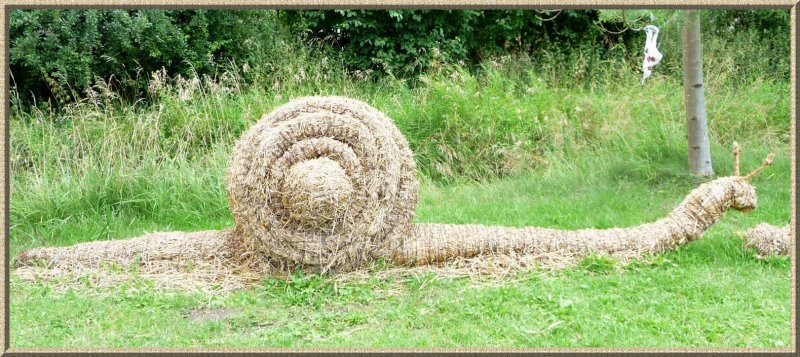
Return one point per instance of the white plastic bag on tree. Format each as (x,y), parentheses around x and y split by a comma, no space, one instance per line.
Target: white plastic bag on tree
(651,54)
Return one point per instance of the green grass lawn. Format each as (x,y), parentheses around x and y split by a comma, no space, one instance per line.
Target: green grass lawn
(707,294)
(502,148)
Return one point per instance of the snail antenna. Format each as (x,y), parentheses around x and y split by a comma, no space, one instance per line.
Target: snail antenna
(767,162)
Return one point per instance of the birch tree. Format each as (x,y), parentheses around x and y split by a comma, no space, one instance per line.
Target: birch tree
(694,97)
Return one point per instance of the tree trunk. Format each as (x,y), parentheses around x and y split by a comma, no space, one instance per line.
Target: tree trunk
(694,98)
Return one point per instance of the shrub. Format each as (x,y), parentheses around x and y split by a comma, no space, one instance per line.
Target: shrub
(60,53)
(403,42)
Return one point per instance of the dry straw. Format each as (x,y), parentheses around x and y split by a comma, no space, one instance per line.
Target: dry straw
(173,260)
(768,240)
(329,184)
(704,206)
(701,208)
(323,183)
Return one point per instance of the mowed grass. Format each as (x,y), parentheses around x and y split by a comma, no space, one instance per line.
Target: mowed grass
(499,148)
(708,293)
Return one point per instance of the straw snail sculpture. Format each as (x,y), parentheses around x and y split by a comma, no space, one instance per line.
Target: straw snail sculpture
(329,184)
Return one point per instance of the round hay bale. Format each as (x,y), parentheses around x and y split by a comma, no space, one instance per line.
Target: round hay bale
(323,183)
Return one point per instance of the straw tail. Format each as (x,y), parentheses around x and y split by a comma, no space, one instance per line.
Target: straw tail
(162,249)
(702,208)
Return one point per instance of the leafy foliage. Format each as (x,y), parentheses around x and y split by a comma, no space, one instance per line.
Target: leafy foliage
(60,53)
(739,46)
(410,41)
(394,40)
(757,42)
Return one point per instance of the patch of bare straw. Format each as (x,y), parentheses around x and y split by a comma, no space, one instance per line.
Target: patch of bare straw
(322,183)
(482,270)
(768,240)
(201,261)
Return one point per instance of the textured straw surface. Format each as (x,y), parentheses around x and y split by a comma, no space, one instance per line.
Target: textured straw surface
(174,260)
(768,240)
(703,207)
(322,183)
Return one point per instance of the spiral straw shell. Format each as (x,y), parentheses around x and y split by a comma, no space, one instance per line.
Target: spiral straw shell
(322,182)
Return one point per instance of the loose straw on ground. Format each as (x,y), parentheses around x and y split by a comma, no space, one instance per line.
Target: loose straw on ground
(768,240)
(328,184)
(173,260)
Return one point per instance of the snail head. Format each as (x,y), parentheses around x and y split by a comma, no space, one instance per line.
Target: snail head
(743,193)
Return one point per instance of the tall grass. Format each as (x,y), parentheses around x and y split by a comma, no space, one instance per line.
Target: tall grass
(162,164)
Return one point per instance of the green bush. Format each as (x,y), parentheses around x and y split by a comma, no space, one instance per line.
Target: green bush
(403,42)
(60,53)
(739,46)
(394,41)
(409,42)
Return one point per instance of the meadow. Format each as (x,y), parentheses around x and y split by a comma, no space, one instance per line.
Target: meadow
(517,143)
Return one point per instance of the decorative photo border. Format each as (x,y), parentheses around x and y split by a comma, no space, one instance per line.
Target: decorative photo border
(8,5)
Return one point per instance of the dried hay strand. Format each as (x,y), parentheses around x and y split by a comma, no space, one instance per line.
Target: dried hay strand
(704,206)
(768,240)
(322,183)
(173,260)
(481,269)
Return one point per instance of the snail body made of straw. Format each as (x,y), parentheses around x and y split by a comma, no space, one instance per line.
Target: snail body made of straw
(702,208)
(329,184)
